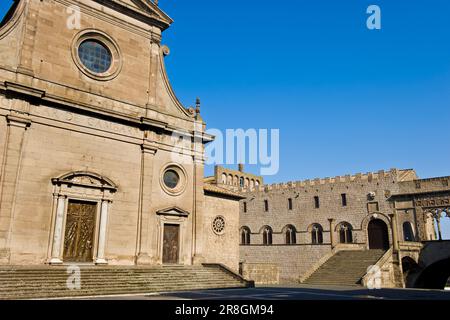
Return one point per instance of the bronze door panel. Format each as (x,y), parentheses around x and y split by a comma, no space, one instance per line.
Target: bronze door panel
(171,244)
(80,231)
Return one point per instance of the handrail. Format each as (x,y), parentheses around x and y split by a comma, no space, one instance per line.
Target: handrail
(383,259)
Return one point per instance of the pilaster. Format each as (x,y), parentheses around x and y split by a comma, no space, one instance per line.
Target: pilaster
(10,172)
(145,254)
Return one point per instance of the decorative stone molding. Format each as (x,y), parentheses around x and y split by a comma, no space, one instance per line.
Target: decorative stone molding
(173,211)
(84,186)
(182,184)
(218,225)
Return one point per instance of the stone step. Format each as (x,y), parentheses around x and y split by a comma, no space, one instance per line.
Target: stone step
(345,268)
(110,276)
(12,286)
(23,283)
(94,292)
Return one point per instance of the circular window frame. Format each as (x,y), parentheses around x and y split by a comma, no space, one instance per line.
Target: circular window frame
(105,40)
(181,187)
(219,233)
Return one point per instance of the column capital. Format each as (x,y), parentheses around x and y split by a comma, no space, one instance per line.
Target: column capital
(59,195)
(331,220)
(17,121)
(149,148)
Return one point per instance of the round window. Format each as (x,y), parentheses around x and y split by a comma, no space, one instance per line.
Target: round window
(171,179)
(95,56)
(218,225)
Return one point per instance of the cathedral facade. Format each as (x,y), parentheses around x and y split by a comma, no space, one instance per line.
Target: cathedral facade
(100,163)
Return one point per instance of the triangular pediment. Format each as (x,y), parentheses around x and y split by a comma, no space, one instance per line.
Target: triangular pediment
(145,10)
(173,211)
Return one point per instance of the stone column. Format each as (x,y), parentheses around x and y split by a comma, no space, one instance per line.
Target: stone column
(58,233)
(332,239)
(393,217)
(102,233)
(145,252)
(438,223)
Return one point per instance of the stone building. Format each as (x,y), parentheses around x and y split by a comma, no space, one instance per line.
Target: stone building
(88,128)
(290,230)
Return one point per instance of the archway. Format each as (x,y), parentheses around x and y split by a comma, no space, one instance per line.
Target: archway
(434,276)
(378,234)
(410,270)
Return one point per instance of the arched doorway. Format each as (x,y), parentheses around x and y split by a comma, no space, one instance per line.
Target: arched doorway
(378,234)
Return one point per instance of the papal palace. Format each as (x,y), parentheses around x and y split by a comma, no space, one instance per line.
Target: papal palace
(101,167)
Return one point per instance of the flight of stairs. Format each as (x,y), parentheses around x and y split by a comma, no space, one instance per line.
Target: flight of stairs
(51,282)
(345,268)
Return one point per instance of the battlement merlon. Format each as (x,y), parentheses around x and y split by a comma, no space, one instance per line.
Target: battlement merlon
(396,175)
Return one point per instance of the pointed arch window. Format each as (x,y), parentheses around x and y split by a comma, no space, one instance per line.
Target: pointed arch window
(316,234)
(345,233)
(291,234)
(245,236)
(267,236)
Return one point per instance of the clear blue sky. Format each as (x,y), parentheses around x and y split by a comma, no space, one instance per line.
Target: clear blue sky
(346,99)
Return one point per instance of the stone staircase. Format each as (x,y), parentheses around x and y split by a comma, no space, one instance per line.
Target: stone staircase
(51,282)
(345,268)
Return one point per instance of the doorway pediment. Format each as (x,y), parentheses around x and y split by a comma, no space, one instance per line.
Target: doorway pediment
(173,211)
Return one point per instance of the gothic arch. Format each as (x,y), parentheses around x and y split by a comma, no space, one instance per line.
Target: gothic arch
(245,234)
(345,232)
(290,234)
(316,232)
(267,233)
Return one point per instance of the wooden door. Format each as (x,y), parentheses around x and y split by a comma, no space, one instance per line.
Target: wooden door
(378,235)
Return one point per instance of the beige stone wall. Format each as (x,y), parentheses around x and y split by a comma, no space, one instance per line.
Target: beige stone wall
(52,58)
(223,248)
(50,152)
(261,273)
(292,261)
(3,133)
(10,36)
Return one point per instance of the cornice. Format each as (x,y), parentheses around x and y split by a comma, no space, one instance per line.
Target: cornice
(143,122)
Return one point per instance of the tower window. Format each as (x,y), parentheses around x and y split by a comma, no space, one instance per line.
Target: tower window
(245,207)
(266,205)
(290,204)
(344,199)
(316,202)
